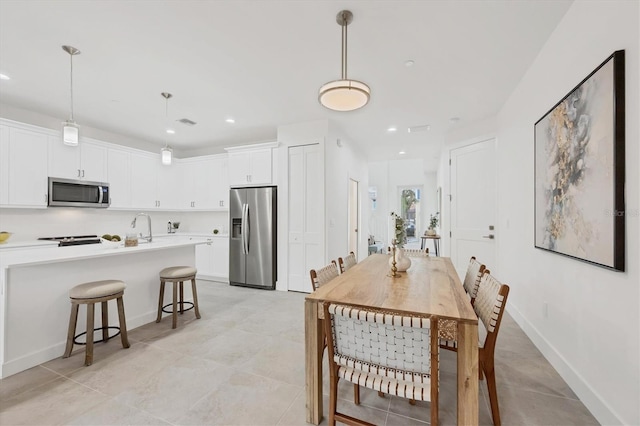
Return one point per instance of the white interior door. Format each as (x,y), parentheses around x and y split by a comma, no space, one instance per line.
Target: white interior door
(473,205)
(306,215)
(354,214)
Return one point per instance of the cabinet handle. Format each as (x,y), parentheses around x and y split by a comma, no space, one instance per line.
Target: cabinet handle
(78,173)
(82,172)
(46,198)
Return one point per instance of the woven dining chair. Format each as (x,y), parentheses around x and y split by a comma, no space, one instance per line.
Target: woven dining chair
(416,252)
(489,305)
(475,270)
(384,351)
(347,263)
(320,277)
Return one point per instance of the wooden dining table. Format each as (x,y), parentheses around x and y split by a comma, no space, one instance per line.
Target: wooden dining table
(430,287)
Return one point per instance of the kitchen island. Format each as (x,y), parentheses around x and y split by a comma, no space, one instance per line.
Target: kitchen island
(35,284)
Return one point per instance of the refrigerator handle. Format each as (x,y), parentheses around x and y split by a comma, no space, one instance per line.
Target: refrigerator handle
(243,230)
(247,228)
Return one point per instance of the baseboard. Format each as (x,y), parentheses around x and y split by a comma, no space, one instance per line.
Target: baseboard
(33,359)
(213,278)
(588,396)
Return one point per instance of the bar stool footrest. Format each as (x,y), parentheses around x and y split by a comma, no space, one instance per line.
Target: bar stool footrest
(75,341)
(171,304)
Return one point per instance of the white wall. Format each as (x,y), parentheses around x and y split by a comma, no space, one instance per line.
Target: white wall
(387,177)
(591,334)
(29,224)
(343,162)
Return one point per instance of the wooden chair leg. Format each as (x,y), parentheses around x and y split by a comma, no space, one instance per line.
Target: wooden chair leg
(493,395)
(175,305)
(105,321)
(356,394)
(333,400)
(412,401)
(381,394)
(181,297)
(88,358)
(195,297)
(124,337)
(73,319)
(160,301)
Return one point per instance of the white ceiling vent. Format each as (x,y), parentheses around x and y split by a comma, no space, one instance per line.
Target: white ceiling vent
(422,128)
(187,122)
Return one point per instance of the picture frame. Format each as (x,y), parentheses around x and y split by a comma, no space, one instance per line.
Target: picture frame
(579,170)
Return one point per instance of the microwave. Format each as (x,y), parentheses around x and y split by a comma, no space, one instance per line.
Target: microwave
(78,193)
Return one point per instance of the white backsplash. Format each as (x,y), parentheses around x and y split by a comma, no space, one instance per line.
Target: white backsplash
(29,224)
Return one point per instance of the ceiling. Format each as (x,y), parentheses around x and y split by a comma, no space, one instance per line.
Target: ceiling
(262,62)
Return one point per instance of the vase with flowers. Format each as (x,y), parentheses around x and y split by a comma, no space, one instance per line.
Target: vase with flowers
(399,240)
(433,223)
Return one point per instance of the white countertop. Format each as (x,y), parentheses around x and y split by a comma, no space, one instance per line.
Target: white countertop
(43,254)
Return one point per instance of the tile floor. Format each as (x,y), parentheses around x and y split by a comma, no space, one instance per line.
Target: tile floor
(243,364)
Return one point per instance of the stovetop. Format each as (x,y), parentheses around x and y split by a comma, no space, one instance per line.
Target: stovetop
(74,240)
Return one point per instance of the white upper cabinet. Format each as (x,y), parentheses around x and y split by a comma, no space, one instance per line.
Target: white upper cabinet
(144,174)
(205,184)
(4,165)
(137,179)
(220,184)
(251,165)
(168,187)
(87,161)
(27,168)
(119,178)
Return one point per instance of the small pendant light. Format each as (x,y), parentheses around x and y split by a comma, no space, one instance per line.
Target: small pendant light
(70,128)
(166,152)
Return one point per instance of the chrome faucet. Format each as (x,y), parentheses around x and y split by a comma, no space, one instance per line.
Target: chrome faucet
(149,237)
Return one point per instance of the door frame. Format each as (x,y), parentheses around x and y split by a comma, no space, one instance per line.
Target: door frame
(350,204)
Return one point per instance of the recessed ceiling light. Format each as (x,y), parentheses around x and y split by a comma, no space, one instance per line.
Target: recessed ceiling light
(392,129)
(4,77)
(409,63)
(402,153)
(230,120)
(171,131)
(454,120)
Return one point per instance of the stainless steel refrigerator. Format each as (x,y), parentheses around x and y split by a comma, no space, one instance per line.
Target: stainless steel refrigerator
(252,243)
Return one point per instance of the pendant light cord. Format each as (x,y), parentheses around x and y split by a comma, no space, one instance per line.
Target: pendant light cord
(166,112)
(71,59)
(344,47)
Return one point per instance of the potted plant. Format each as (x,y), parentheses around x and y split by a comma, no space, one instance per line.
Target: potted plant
(433,223)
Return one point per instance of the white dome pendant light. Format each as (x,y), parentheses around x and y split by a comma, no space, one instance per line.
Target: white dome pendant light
(344,94)
(166,152)
(70,128)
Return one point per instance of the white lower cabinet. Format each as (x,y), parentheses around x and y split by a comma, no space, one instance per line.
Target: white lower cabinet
(212,260)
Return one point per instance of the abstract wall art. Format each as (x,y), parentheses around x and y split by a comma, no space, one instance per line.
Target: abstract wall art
(580,170)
